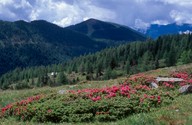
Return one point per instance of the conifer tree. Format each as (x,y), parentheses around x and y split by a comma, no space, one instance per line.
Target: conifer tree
(61,78)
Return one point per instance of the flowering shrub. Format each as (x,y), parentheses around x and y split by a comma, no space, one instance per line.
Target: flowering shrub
(96,104)
(183,75)
(18,108)
(168,85)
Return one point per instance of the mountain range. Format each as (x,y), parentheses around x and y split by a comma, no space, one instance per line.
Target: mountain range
(26,44)
(156,30)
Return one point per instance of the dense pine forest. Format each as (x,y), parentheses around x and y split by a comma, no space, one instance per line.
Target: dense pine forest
(126,59)
(136,57)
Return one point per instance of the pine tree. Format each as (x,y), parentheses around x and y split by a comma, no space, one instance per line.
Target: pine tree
(61,78)
(185,57)
(146,62)
(99,69)
(127,67)
(107,74)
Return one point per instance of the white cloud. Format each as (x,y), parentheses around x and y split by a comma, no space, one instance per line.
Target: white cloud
(140,24)
(4,11)
(22,4)
(64,14)
(177,2)
(14,10)
(160,22)
(181,17)
(139,13)
(5,2)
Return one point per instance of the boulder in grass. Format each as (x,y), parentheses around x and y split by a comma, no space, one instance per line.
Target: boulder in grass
(189,90)
(186,89)
(154,85)
(62,91)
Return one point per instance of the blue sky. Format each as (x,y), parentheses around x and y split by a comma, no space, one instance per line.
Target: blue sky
(134,13)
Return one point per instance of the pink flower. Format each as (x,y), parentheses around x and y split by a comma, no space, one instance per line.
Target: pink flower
(152,97)
(159,99)
(189,81)
(182,84)
(7,107)
(145,96)
(49,111)
(96,98)
(141,100)
(111,95)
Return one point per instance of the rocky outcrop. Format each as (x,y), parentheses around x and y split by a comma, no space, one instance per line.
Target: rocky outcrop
(167,79)
(185,89)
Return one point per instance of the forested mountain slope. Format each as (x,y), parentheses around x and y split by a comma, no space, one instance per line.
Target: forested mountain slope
(126,59)
(26,44)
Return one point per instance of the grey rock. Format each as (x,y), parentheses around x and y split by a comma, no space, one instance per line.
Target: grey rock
(186,89)
(154,85)
(177,110)
(62,91)
(189,90)
(166,79)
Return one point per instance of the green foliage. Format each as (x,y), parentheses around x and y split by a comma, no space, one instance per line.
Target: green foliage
(61,78)
(110,74)
(127,67)
(185,57)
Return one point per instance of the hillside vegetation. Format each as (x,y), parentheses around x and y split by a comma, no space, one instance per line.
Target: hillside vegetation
(107,64)
(170,108)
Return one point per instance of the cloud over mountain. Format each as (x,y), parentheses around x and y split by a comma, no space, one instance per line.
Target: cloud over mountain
(139,13)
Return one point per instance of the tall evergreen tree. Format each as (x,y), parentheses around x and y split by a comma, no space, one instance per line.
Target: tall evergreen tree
(61,78)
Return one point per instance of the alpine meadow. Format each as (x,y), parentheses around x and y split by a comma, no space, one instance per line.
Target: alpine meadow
(95,62)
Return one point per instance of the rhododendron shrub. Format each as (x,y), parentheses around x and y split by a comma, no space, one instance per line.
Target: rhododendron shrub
(183,75)
(140,79)
(19,108)
(97,104)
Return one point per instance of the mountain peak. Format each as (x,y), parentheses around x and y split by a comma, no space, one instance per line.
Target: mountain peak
(91,20)
(101,30)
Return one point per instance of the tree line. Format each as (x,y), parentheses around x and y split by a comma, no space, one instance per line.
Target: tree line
(136,57)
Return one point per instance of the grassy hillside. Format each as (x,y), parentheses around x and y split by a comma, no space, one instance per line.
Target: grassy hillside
(177,112)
